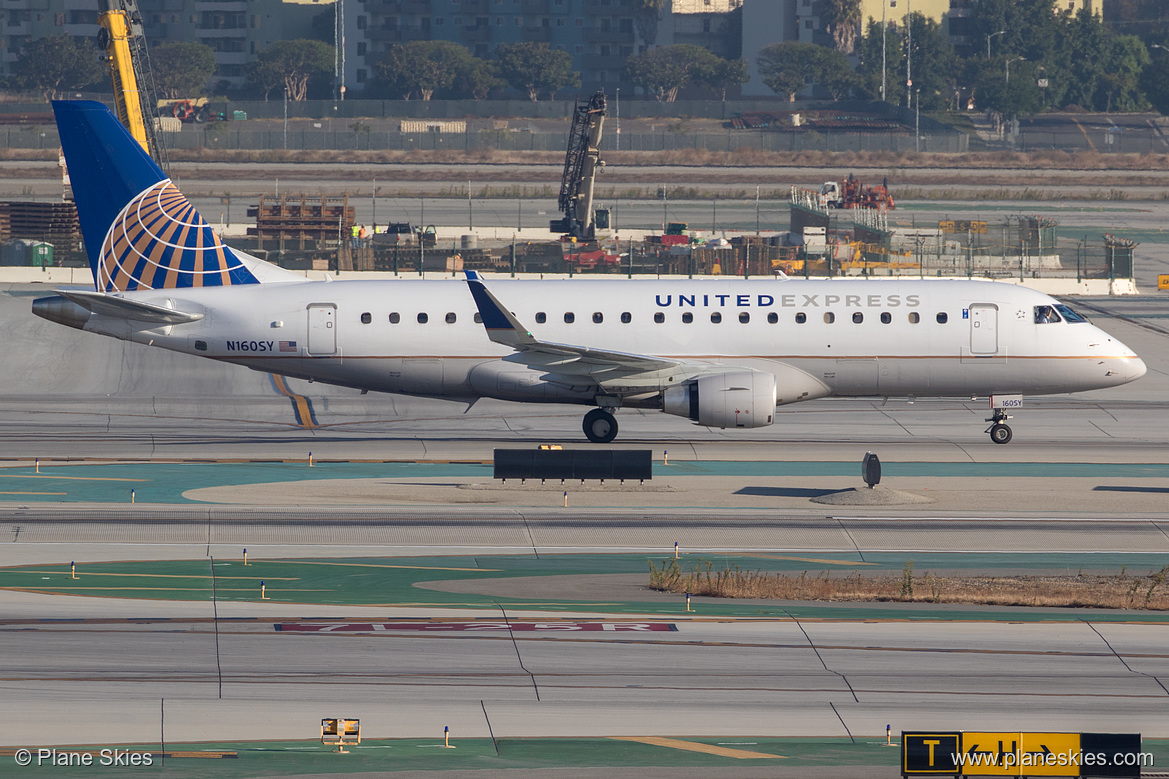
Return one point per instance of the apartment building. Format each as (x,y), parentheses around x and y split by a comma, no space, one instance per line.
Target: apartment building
(235,29)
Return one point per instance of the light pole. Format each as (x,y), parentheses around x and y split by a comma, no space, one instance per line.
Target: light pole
(1008,66)
(988,37)
(884,3)
(756,209)
(917,122)
(909,51)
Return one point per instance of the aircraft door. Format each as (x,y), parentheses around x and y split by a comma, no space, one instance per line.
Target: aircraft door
(984,330)
(322,330)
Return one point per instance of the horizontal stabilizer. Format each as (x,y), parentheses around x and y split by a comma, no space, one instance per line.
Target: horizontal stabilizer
(121,308)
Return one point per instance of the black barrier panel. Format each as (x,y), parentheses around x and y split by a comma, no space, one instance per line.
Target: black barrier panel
(930,753)
(573,464)
(1110,754)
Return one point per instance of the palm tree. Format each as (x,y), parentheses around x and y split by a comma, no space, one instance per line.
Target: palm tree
(842,19)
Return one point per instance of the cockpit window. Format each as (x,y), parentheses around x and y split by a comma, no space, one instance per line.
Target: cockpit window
(1046,315)
(1070,316)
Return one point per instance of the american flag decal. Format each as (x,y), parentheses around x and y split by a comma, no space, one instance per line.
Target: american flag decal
(288,346)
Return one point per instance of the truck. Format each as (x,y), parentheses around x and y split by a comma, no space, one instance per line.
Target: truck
(851,193)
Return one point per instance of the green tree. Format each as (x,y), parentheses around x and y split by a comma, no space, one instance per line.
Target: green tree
(58,64)
(477,78)
(834,74)
(664,70)
(1081,58)
(1020,96)
(421,67)
(935,65)
(536,68)
(788,67)
(842,21)
(723,75)
(292,64)
(1155,77)
(182,69)
(1120,79)
(646,15)
(868,71)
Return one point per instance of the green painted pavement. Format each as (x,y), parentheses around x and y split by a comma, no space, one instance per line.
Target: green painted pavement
(166,482)
(283,758)
(313,758)
(394,582)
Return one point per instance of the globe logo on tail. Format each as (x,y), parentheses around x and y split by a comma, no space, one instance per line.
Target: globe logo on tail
(159,241)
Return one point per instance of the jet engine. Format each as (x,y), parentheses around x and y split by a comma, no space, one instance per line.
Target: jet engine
(732,399)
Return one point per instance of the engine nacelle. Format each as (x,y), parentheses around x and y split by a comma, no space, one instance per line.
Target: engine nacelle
(732,399)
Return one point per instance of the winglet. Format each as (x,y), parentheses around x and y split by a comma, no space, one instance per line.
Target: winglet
(502,327)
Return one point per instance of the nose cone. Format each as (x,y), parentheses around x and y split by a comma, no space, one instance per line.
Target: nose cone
(1135,369)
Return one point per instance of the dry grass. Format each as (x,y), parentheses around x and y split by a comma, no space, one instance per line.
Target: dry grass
(894,161)
(1122,591)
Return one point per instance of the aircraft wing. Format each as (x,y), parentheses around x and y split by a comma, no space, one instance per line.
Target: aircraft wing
(565,359)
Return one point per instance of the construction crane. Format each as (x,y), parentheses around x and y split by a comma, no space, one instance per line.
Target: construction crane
(580,168)
(122,39)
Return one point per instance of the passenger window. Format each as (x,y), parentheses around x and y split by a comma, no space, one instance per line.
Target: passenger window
(541,317)
(478,318)
(598,317)
(1045,315)
(422,319)
(366,318)
(744,317)
(687,318)
(914,317)
(626,317)
(569,317)
(659,318)
(716,317)
(395,318)
(886,317)
(829,318)
(857,318)
(942,317)
(772,318)
(801,318)
(450,318)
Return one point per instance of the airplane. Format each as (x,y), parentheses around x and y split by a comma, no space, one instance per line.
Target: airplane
(723,353)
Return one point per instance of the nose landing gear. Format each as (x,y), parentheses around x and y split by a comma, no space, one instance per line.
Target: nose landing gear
(1000,432)
(600,426)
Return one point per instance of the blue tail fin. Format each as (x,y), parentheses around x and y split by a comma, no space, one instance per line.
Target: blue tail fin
(140,231)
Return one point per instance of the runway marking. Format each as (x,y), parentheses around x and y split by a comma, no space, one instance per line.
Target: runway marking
(375,565)
(150,589)
(161,575)
(34,493)
(692,746)
(806,559)
(1087,138)
(72,478)
(551,625)
(96,753)
(302,407)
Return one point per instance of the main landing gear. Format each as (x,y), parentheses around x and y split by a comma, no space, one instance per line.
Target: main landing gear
(1000,433)
(600,426)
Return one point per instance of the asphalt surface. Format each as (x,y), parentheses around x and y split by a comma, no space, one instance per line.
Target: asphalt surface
(99,677)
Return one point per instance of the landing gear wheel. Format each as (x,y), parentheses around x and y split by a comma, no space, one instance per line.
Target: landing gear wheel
(1000,433)
(600,426)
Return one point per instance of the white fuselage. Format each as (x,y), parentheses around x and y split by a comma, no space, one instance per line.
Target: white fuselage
(846,337)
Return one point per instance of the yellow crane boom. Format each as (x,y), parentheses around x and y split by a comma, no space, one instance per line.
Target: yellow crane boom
(121,38)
